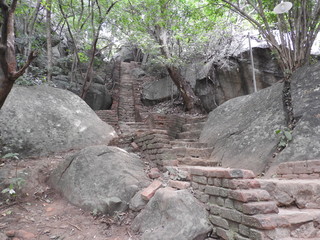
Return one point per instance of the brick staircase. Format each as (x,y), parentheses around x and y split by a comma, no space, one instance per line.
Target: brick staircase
(186,148)
(240,206)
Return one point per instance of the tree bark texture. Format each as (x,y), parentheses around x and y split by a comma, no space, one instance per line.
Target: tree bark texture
(49,42)
(191,101)
(8,63)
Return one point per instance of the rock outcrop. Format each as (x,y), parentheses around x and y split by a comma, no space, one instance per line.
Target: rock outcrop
(305,91)
(242,130)
(41,120)
(172,215)
(100,178)
(215,84)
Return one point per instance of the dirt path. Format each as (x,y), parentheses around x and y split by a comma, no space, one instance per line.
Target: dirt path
(40,213)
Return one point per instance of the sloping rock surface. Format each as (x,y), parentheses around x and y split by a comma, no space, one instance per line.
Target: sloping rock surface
(40,120)
(242,130)
(100,178)
(306,108)
(172,215)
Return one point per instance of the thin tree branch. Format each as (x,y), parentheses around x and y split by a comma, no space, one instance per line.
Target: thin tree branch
(15,75)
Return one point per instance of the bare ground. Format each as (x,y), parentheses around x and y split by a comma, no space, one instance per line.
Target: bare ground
(40,213)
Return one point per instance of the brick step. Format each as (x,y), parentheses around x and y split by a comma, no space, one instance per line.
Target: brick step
(189,135)
(191,161)
(196,119)
(179,143)
(304,193)
(294,223)
(193,126)
(192,152)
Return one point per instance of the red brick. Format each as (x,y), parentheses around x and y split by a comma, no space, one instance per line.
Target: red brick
(285,168)
(253,208)
(230,173)
(134,145)
(213,191)
(179,184)
(309,176)
(170,162)
(315,169)
(218,221)
(200,171)
(265,221)
(257,235)
(231,214)
(225,234)
(314,165)
(250,195)
(290,176)
(298,217)
(241,183)
(199,179)
(301,168)
(218,172)
(148,192)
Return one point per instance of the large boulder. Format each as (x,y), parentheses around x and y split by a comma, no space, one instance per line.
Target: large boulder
(163,89)
(242,130)
(157,91)
(100,178)
(98,97)
(219,83)
(173,215)
(306,108)
(40,120)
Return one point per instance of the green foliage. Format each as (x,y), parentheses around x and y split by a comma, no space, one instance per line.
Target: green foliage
(83,57)
(285,136)
(11,156)
(13,189)
(16,183)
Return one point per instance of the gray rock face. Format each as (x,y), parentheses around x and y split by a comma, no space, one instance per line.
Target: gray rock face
(215,84)
(242,130)
(37,121)
(224,83)
(98,96)
(157,91)
(100,178)
(306,108)
(125,54)
(172,215)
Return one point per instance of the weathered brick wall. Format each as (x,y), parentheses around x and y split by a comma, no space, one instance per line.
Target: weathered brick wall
(171,123)
(308,169)
(239,208)
(154,143)
(108,116)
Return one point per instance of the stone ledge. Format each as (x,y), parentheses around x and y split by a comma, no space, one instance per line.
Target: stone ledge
(218,172)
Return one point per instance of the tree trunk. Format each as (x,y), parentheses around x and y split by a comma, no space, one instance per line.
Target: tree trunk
(30,27)
(191,101)
(89,78)
(49,42)
(8,63)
